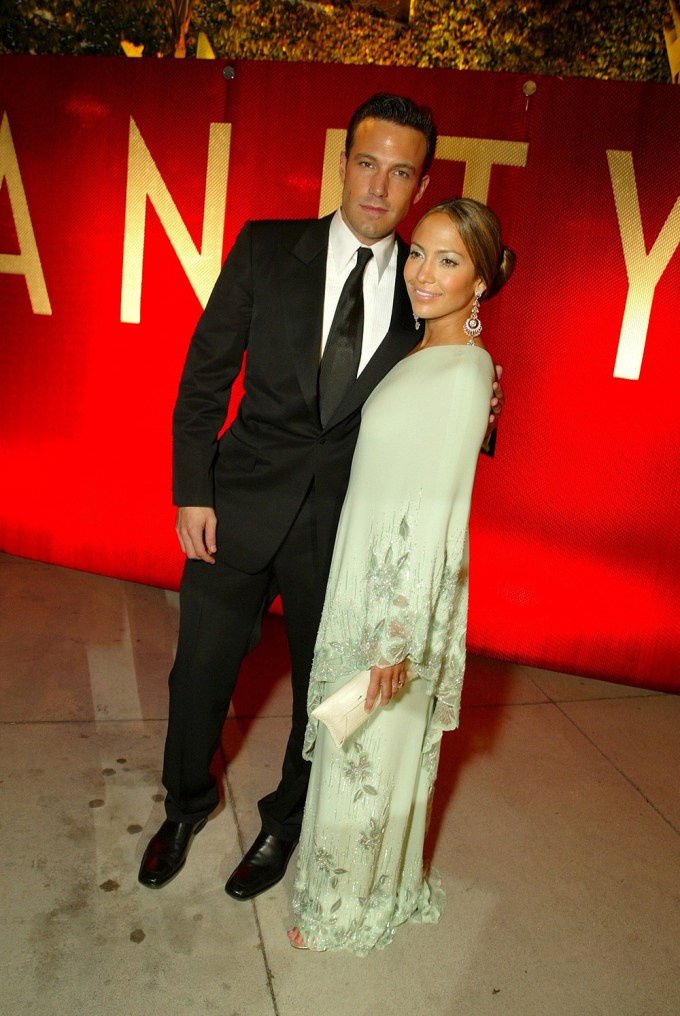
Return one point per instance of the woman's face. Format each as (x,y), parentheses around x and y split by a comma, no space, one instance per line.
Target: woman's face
(439,273)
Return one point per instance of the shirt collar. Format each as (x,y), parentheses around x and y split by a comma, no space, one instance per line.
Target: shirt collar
(343,245)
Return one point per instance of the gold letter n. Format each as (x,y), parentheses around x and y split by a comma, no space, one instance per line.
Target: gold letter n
(144,180)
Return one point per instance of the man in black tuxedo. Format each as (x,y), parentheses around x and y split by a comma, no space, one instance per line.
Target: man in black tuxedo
(269,492)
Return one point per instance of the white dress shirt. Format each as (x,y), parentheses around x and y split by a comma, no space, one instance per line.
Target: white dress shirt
(379,280)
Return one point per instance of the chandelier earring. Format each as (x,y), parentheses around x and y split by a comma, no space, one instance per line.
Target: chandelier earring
(417,320)
(473,326)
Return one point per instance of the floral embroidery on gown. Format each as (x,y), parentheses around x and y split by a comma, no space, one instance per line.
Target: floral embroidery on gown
(397,588)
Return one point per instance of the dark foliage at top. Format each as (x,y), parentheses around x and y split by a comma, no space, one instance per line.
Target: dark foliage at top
(620,39)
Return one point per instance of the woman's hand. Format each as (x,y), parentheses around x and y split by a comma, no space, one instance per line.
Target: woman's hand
(385,681)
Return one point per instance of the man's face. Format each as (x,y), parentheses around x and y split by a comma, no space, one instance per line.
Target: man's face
(381,178)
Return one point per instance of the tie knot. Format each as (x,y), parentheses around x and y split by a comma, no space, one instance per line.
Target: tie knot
(364,255)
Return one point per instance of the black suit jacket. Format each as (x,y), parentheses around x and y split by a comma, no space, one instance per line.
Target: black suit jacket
(268,304)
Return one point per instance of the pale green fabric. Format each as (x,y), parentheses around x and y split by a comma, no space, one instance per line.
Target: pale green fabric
(397,588)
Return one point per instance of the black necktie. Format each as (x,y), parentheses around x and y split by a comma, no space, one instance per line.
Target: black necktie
(341,356)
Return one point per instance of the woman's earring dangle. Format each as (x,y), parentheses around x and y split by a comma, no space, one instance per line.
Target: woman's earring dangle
(417,321)
(473,326)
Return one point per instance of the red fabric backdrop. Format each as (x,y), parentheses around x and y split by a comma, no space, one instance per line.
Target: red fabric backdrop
(575,521)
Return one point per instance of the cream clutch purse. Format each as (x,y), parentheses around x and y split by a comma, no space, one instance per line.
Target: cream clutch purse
(343,712)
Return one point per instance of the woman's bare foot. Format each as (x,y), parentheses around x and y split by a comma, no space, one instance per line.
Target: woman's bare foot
(296,939)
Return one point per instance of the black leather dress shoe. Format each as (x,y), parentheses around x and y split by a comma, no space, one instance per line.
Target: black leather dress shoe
(167,852)
(262,867)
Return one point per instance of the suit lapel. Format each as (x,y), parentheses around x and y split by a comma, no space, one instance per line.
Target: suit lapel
(303,275)
(402,314)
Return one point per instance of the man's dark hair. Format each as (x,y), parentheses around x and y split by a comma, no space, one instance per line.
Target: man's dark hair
(400,110)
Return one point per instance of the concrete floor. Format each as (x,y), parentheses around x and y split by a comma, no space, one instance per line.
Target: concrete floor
(556,827)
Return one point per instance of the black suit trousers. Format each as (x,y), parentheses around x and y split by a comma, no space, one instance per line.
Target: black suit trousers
(219,608)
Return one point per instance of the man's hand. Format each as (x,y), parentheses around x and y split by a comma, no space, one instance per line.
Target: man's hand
(196,530)
(497,400)
(385,681)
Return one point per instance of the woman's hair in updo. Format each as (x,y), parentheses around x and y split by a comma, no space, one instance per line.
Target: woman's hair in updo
(480,231)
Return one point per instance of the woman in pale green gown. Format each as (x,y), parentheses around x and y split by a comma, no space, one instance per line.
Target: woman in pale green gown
(397,592)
